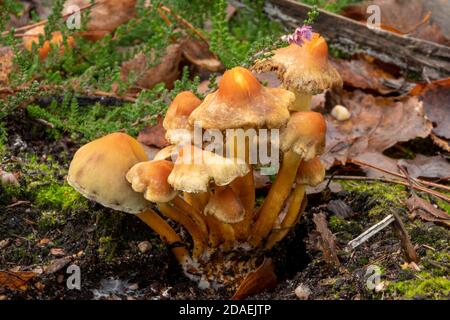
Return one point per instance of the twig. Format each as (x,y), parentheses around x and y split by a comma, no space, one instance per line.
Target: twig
(418,181)
(369,233)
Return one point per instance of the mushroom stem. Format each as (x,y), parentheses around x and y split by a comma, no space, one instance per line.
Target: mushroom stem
(244,188)
(167,234)
(197,236)
(192,212)
(220,233)
(197,200)
(302,101)
(276,197)
(298,200)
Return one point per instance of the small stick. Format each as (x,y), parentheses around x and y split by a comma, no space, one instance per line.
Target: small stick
(402,234)
(369,233)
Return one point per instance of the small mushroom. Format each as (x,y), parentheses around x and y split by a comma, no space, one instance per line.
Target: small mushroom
(98,172)
(301,140)
(176,121)
(31,37)
(304,70)
(150,178)
(311,172)
(225,205)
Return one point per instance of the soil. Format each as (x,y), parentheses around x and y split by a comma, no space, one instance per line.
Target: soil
(104,243)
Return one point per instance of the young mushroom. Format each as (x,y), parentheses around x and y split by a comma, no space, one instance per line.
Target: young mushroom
(176,121)
(241,102)
(98,172)
(150,178)
(301,140)
(304,70)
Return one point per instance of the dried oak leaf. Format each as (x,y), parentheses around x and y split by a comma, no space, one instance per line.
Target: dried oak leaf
(426,211)
(104,16)
(198,53)
(15,280)
(436,102)
(257,281)
(154,136)
(415,18)
(376,124)
(148,74)
(326,240)
(364,74)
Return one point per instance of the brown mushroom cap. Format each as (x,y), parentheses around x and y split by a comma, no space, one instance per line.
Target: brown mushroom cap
(226,206)
(304,134)
(311,172)
(196,168)
(168,153)
(303,68)
(242,102)
(176,121)
(150,178)
(98,172)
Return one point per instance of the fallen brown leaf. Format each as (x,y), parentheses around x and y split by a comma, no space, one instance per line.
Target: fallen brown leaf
(326,240)
(57,265)
(154,136)
(415,18)
(15,280)
(436,102)
(198,53)
(426,211)
(257,281)
(57,252)
(147,74)
(376,124)
(364,74)
(105,16)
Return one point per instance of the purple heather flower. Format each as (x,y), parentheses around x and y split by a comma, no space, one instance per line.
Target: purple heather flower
(300,34)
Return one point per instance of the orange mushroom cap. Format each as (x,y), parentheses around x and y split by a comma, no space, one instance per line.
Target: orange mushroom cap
(311,172)
(98,172)
(242,102)
(226,206)
(303,68)
(150,178)
(304,134)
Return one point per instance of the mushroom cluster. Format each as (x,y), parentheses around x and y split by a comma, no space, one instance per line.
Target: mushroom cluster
(209,188)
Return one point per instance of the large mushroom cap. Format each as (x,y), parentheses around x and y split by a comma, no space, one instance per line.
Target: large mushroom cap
(226,206)
(304,134)
(196,168)
(150,177)
(303,68)
(176,121)
(311,172)
(98,172)
(242,102)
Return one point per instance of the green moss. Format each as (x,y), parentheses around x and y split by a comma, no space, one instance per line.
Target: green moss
(50,219)
(60,197)
(386,195)
(425,286)
(347,229)
(106,247)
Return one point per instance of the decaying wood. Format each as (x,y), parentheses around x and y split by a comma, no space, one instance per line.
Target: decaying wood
(427,58)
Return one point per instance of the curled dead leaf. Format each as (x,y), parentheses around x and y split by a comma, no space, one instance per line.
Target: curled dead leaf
(15,280)
(198,53)
(154,135)
(326,241)
(257,281)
